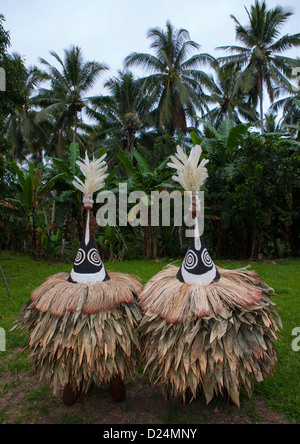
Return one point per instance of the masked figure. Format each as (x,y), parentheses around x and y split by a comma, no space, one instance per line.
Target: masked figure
(205,328)
(82,325)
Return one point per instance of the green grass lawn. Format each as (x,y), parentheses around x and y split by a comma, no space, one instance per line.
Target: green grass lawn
(281,392)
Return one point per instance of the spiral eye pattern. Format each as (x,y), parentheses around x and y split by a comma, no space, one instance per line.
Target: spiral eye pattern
(79,257)
(93,257)
(191,260)
(206,259)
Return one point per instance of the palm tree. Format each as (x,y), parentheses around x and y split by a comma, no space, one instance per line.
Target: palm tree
(288,103)
(124,112)
(31,190)
(16,96)
(144,178)
(274,126)
(24,134)
(175,83)
(229,103)
(4,36)
(66,97)
(260,56)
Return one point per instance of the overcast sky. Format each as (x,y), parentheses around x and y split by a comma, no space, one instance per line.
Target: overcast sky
(108,30)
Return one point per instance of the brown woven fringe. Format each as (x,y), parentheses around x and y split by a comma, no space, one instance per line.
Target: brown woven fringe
(57,295)
(211,339)
(176,301)
(83,334)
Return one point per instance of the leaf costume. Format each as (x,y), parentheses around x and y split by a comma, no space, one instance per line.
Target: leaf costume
(83,325)
(206,328)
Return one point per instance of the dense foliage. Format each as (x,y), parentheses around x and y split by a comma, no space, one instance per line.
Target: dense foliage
(252,194)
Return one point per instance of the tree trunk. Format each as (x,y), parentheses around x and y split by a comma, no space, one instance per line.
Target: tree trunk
(45,217)
(154,249)
(59,145)
(260,254)
(253,245)
(180,239)
(59,148)
(130,145)
(35,244)
(276,248)
(75,128)
(53,210)
(130,140)
(5,283)
(180,120)
(261,100)
(147,242)
(63,244)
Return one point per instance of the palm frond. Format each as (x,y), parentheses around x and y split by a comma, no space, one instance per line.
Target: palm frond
(146,61)
(285,42)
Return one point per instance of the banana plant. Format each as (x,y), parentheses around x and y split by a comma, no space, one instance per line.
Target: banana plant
(143,178)
(113,240)
(222,144)
(30,192)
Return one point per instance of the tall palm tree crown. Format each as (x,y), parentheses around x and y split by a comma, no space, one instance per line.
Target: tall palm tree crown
(175,83)
(228,102)
(68,86)
(125,111)
(260,56)
(25,135)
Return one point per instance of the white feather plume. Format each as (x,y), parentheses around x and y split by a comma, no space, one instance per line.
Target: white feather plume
(95,174)
(190,175)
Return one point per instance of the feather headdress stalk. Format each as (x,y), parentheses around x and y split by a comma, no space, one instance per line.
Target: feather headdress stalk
(190,175)
(95,174)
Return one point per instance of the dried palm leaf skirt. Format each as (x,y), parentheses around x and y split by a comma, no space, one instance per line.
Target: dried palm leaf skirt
(83,334)
(213,339)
